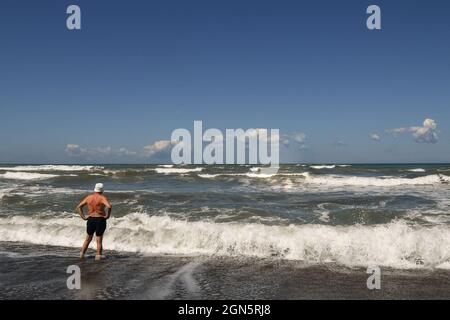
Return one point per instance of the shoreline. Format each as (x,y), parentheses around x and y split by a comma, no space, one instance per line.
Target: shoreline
(29,271)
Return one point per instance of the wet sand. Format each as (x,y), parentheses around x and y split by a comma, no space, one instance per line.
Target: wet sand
(39,272)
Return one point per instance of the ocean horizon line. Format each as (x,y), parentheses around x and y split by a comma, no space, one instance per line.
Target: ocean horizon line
(211,165)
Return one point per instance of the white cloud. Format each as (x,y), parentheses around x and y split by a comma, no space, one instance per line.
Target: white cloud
(160,150)
(74,150)
(375,136)
(425,134)
(95,153)
(158,147)
(339,143)
(297,137)
(303,147)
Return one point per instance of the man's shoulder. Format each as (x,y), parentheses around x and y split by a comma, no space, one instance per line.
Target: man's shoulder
(105,201)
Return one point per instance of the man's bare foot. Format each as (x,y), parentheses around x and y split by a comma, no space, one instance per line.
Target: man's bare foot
(99,257)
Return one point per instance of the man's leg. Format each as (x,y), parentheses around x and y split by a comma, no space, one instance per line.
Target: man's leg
(86,243)
(99,247)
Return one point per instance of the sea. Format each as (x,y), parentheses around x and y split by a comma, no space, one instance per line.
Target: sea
(186,220)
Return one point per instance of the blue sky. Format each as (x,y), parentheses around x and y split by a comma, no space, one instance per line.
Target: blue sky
(139,69)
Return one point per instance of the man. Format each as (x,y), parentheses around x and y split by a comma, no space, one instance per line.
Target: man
(96,220)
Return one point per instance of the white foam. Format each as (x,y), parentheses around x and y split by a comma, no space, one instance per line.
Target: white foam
(26,176)
(177,170)
(284,185)
(165,165)
(324,214)
(340,180)
(395,244)
(36,191)
(248,174)
(260,175)
(323,167)
(51,168)
(416,170)
(209,176)
(444,265)
(4,192)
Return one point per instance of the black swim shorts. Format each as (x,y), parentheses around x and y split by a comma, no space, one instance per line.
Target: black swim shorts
(97,225)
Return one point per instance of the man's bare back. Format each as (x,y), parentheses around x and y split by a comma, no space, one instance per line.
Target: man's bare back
(99,210)
(96,204)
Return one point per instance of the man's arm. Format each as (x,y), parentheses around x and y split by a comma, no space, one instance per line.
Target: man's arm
(80,208)
(108,206)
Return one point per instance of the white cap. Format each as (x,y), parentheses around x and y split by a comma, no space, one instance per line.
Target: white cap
(98,187)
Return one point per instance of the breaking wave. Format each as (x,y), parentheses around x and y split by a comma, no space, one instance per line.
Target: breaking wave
(338,180)
(323,167)
(177,170)
(26,176)
(52,168)
(416,170)
(396,244)
(248,174)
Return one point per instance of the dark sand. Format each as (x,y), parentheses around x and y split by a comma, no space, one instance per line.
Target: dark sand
(39,272)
